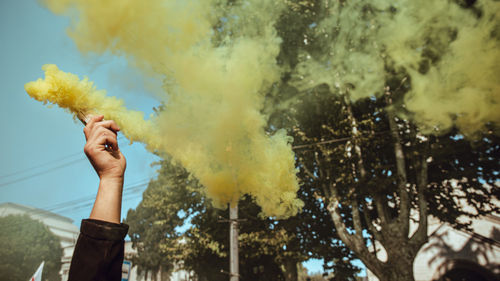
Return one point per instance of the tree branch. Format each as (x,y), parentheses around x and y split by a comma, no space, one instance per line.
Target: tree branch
(356,220)
(354,242)
(334,210)
(420,236)
(308,172)
(403,218)
(316,158)
(380,205)
(355,132)
(371,227)
(359,169)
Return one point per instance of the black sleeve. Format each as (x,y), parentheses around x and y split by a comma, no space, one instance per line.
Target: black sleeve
(98,252)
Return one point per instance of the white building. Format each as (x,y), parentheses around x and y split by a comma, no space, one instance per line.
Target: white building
(457,254)
(64,228)
(177,275)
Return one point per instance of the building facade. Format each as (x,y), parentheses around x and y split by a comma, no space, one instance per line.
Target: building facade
(67,232)
(452,254)
(62,227)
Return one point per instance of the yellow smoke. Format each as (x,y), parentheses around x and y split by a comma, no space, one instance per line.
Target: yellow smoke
(463,87)
(450,53)
(212,123)
(75,95)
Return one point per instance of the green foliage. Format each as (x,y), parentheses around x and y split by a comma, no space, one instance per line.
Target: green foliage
(24,244)
(175,199)
(266,245)
(153,223)
(348,152)
(353,160)
(458,168)
(365,160)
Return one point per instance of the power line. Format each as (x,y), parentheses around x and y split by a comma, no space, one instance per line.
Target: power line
(332,141)
(86,204)
(121,137)
(87,201)
(42,172)
(92,197)
(65,164)
(41,165)
(321,142)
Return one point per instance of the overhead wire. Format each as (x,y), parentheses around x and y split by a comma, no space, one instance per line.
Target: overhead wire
(44,171)
(40,165)
(66,164)
(91,198)
(80,203)
(87,201)
(121,137)
(300,146)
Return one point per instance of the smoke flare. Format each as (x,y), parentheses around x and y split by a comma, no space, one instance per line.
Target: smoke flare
(69,92)
(217,59)
(214,90)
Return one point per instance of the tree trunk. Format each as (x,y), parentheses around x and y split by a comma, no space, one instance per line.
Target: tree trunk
(290,270)
(399,264)
(400,271)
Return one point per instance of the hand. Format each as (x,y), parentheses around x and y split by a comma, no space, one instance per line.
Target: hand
(102,148)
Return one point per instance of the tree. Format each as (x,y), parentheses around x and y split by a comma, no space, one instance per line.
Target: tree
(154,221)
(269,249)
(368,164)
(176,199)
(376,174)
(372,163)
(24,244)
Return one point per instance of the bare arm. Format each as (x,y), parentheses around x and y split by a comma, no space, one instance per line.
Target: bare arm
(105,156)
(99,250)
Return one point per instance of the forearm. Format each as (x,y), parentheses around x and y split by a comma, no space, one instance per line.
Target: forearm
(108,203)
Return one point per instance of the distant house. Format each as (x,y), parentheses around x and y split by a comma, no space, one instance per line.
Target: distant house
(64,228)
(177,275)
(452,254)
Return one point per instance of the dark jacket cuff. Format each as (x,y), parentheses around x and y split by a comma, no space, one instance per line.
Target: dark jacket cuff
(103,230)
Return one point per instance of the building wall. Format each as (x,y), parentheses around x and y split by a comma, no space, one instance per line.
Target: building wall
(448,248)
(62,227)
(177,275)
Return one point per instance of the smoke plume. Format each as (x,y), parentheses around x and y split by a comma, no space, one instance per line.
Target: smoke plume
(449,49)
(212,122)
(217,58)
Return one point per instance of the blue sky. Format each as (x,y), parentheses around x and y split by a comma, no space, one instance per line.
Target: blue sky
(42,161)
(48,139)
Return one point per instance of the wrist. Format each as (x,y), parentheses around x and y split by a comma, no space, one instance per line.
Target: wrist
(111,181)
(107,206)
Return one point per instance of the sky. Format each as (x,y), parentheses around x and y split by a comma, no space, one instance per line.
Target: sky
(41,149)
(42,161)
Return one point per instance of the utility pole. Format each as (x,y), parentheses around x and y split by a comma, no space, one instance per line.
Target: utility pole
(234,271)
(234,274)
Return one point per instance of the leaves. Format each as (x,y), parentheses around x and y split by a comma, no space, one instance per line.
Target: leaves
(24,244)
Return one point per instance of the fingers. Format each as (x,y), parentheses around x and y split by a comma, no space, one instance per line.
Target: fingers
(103,136)
(90,125)
(102,140)
(97,122)
(108,124)
(108,140)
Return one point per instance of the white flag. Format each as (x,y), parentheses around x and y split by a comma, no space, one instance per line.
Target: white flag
(38,273)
